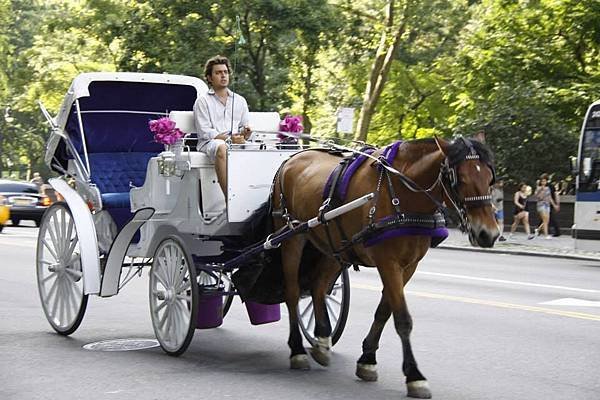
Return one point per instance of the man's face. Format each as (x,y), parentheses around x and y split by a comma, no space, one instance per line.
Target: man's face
(219,78)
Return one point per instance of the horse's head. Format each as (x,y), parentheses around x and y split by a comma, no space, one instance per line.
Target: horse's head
(467,175)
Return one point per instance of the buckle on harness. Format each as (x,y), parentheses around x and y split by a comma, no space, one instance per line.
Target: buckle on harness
(269,244)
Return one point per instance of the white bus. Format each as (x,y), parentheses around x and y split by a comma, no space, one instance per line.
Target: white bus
(586,229)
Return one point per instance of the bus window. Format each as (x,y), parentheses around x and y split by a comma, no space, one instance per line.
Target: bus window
(589,178)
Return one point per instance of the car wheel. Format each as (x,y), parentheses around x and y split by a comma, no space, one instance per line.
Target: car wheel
(15,221)
(1,227)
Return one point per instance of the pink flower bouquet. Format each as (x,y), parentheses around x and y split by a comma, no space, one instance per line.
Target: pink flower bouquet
(165,131)
(291,125)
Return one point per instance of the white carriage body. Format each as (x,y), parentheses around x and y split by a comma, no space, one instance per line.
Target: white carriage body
(86,144)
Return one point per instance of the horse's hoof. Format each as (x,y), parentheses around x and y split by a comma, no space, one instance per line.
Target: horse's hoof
(299,361)
(321,352)
(366,372)
(418,390)
(323,357)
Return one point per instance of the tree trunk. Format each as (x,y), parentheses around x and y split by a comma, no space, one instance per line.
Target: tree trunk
(388,46)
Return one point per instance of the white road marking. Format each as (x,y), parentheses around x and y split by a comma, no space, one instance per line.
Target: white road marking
(518,283)
(569,301)
(491,303)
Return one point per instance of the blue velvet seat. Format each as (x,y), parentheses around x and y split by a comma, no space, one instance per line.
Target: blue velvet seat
(114,174)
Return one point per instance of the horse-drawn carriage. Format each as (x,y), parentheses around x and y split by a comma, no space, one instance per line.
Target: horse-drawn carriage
(129,204)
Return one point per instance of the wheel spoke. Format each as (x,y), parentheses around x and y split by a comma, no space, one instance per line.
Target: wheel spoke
(162,262)
(71,249)
(51,250)
(333,315)
(308,308)
(73,273)
(47,278)
(53,238)
(163,319)
(63,227)
(333,300)
(160,306)
(157,273)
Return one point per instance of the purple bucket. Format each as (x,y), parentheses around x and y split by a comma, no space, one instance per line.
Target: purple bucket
(210,311)
(263,313)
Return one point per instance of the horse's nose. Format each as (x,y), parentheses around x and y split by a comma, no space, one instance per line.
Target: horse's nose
(486,239)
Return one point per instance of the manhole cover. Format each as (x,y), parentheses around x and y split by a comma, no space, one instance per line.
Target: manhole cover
(122,345)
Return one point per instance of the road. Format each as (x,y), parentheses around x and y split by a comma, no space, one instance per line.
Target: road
(485,327)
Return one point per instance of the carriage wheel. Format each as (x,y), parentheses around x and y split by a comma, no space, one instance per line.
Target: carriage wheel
(173,296)
(58,267)
(210,280)
(337,302)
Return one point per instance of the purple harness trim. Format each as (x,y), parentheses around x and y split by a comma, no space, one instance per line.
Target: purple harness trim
(344,181)
(389,153)
(437,235)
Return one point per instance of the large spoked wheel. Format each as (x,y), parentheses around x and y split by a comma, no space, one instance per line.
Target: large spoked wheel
(58,267)
(212,280)
(173,296)
(337,302)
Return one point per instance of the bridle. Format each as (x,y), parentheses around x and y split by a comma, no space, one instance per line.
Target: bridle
(450,184)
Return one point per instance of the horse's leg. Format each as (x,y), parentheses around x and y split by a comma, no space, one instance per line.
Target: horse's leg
(291,251)
(366,366)
(327,269)
(393,283)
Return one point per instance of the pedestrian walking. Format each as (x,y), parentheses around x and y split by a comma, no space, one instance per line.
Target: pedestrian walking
(498,205)
(544,204)
(521,215)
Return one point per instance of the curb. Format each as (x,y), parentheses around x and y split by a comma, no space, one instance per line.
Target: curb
(520,252)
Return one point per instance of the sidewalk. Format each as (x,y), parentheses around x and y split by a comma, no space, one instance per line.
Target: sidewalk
(562,246)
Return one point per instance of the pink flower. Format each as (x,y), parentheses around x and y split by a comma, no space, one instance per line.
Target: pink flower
(165,131)
(291,124)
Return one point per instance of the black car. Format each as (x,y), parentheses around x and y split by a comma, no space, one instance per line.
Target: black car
(24,200)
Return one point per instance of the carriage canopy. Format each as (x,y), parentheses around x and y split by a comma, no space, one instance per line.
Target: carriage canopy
(114,108)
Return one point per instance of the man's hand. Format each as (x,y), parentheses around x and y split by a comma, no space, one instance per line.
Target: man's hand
(238,139)
(246,132)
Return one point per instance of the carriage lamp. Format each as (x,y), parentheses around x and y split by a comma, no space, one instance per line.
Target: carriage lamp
(166,163)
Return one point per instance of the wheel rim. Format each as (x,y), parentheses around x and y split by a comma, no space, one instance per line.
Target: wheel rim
(59,270)
(172,296)
(336,302)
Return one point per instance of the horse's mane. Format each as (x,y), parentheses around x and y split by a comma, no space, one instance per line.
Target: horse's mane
(458,150)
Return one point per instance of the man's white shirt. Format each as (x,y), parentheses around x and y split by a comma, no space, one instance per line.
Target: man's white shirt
(212,117)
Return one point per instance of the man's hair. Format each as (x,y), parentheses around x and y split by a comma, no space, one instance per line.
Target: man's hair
(215,61)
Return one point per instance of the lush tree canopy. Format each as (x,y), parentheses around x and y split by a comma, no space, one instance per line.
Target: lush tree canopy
(523,71)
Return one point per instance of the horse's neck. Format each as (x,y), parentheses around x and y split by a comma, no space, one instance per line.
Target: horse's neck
(425,169)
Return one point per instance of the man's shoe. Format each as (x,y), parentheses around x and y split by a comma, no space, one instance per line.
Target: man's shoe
(530,237)
(536,232)
(502,239)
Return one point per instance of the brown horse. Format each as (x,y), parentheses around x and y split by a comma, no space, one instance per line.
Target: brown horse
(458,173)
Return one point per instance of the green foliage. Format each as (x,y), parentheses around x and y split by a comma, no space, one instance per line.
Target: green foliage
(523,70)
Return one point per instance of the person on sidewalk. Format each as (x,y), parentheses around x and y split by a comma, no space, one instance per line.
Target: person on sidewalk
(498,206)
(544,203)
(521,214)
(555,209)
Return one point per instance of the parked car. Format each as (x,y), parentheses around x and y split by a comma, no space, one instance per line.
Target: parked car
(25,201)
(4,212)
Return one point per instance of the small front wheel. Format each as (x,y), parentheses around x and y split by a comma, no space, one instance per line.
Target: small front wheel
(173,296)
(59,273)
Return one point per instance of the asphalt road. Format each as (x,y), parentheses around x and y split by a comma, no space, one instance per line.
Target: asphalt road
(486,327)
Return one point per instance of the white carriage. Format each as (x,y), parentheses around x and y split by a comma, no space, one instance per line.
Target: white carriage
(128,205)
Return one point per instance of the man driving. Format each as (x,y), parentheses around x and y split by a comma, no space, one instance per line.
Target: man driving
(220,116)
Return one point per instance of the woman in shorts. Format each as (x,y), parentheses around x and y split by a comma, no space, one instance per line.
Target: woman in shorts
(544,202)
(521,214)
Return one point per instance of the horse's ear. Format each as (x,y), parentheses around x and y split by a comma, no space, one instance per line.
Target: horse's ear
(479,136)
(441,144)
